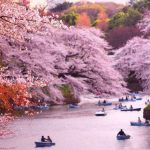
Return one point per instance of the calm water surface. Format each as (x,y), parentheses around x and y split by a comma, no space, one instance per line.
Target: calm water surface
(79,130)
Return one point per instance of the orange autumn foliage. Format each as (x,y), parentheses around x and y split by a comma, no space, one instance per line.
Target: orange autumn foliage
(83,20)
(102,15)
(13,93)
(102,21)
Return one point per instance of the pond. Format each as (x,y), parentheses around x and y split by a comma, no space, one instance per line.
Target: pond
(79,129)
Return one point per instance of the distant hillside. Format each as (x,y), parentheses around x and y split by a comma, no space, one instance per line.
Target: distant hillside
(87,14)
(109,7)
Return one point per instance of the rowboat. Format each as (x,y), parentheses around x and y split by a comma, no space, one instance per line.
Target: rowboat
(97,97)
(127,100)
(131,109)
(20,108)
(104,104)
(44,144)
(138,98)
(73,106)
(119,108)
(100,113)
(139,124)
(123,137)
(40,107)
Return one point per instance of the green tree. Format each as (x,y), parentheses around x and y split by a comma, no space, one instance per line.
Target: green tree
(141,5)
(128,18)
(132,17)
(70,18)
(117,20)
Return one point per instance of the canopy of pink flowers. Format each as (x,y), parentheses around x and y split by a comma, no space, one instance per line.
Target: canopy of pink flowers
(56,55)
(135,55)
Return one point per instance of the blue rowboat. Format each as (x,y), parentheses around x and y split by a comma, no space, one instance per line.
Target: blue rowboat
(73,106)
(123,137)
(119,108)
(133,109)
(44,144)
(104,104)
(40,107)
(139,124)
(127,100)
(20,108)
(138,98)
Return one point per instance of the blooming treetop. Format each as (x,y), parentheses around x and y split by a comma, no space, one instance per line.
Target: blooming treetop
(39,4)
(144,25)
(135,56)
(16,21)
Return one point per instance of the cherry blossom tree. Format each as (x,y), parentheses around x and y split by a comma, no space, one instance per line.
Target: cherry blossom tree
(75,56)
(16,21)
(135,55)
(33,49)
(144,25)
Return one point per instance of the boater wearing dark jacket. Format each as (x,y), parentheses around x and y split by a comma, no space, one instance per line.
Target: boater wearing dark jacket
(49,139)
(43,139)
(121,132)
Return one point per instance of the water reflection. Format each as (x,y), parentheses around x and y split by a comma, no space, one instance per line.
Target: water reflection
(79,130)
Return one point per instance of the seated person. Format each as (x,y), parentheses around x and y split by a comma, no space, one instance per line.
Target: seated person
(116,106)
(139,120)
(104,101)
(49,139)
(131,107)
(99,102)
(125,107)
(134,97)
(43,139)
(120,105)
(103,110)
(121,132)
(146,121)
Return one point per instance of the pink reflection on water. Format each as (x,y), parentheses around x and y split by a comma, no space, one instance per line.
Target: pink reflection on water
(4,131)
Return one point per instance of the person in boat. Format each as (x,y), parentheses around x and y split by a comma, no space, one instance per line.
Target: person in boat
(131,107)
(99,102)
(127,98)
(125,107)
(120,105)
(49,139)
(104,101)
(139,120)
(134,97)
(116,106)
(121,99)
(103,110)
(43,139)
(146,122)
(121,132)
